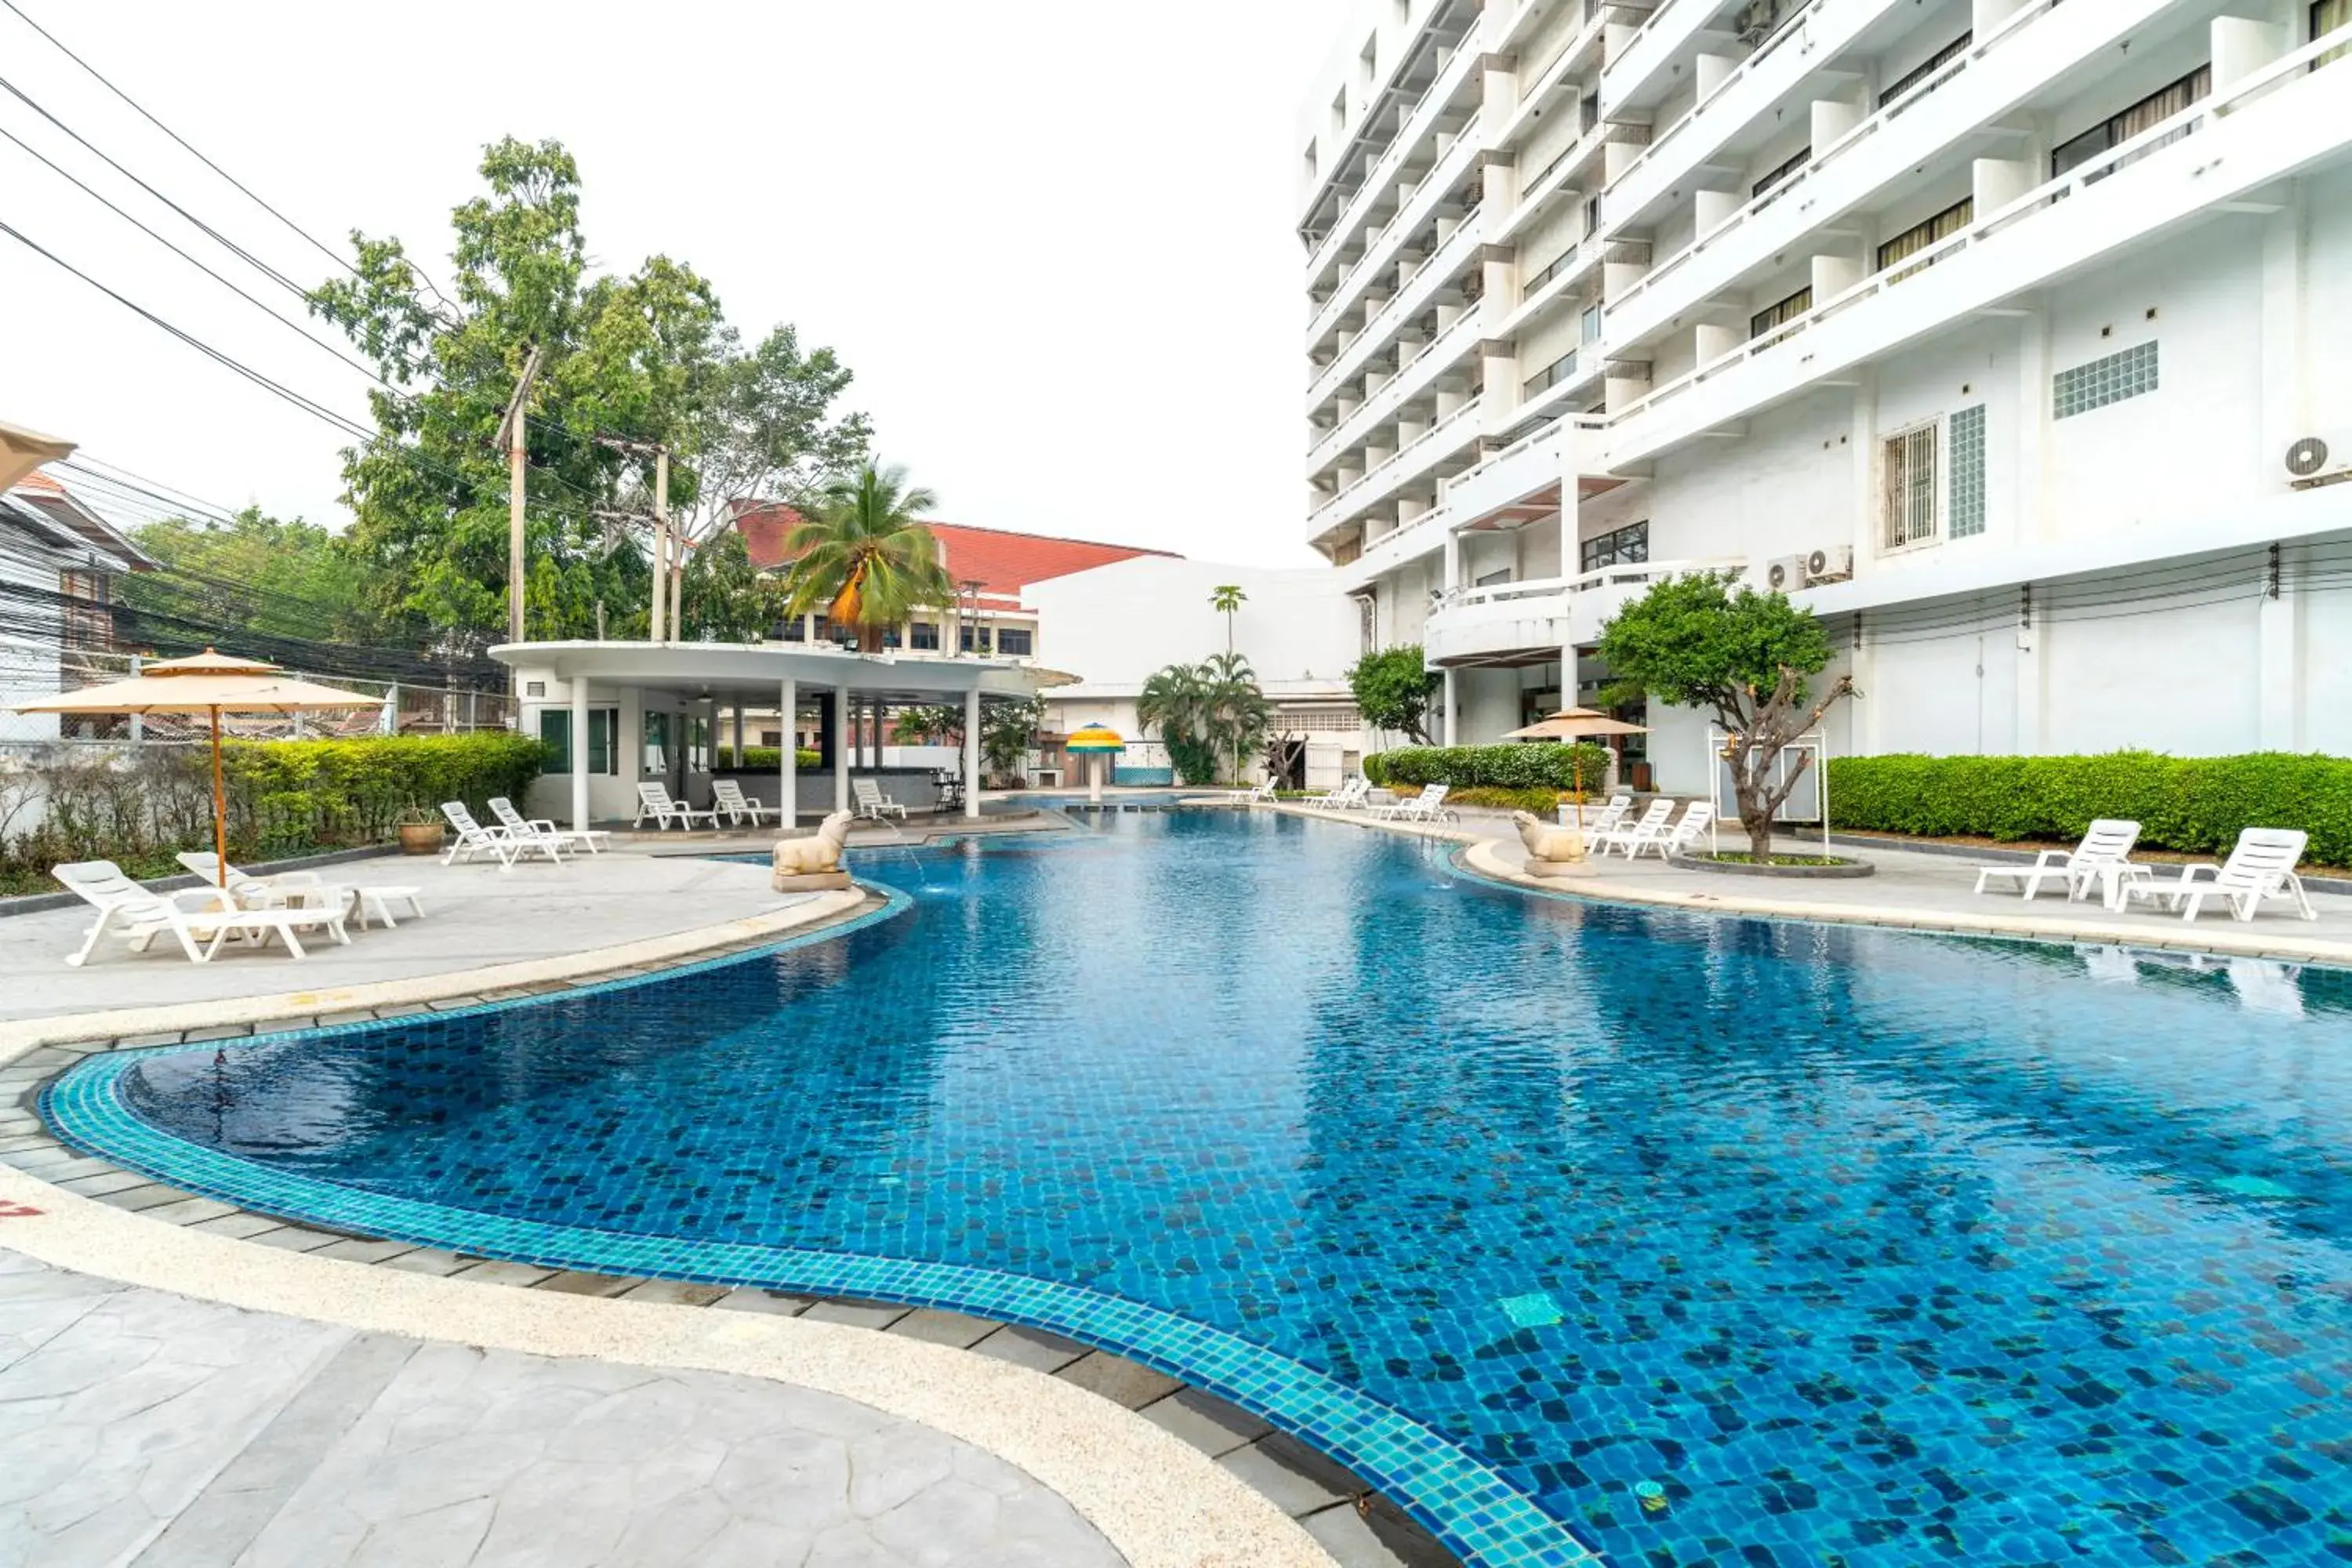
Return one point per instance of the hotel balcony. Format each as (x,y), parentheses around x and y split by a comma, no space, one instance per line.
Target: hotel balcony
(1455,175)
(1531,622)
(1417,377)
(1431,78)
(1445,447)
(1416,293)
(2220,156)
(1948,113)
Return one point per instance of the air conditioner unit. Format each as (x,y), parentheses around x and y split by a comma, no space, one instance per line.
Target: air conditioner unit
(1786,574)
(1755,21)
(1833,564)
(2306,466)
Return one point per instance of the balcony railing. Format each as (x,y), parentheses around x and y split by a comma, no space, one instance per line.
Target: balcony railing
(1383,405)
(1787,31)
(1349,360)
(1409,136)
(2198,116)
(1859,136)
(1452,425)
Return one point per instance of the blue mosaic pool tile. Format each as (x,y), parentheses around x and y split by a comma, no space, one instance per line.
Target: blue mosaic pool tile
(1864,1247)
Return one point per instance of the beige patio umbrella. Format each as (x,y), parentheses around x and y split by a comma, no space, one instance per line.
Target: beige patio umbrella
(1572,724)
(210,683)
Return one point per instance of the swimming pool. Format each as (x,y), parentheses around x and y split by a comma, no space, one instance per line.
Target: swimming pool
(1861,1246)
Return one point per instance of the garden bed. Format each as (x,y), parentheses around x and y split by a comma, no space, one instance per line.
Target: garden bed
(1740,863)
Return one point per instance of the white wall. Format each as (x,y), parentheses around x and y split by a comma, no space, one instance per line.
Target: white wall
(1114,626)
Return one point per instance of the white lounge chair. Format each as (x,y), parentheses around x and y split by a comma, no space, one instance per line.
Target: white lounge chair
(593,840)
(1625,835)
(728,799)
(1347,797)
(209,916)
(871,802)
(305,890)
(1696,818)
(473,839)
(1606,819)
(1428,806)
(654,800)
(2104,856)
(2261,867)
(1263,793)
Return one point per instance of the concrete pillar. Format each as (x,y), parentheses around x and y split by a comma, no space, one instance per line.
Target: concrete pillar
(579,753)
(1832,118)
(841,743)
(1713,209)
(1995,182)
(1448,725)
(972,755)
(739,732)
(1709,71)
(1833,274)
(788,774)
(1716,338)
(2242,48)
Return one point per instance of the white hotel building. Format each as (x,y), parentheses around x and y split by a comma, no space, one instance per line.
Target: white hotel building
(2006,335)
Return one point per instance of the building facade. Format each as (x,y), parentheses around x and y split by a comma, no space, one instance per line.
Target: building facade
(2014,337)
(61,564)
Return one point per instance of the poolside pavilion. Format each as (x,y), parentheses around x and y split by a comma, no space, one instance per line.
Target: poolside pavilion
(618,714)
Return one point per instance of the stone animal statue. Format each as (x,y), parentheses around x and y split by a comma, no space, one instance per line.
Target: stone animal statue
(816,854)
(1548,845)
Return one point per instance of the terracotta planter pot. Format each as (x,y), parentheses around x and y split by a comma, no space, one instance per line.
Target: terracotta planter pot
(420,839)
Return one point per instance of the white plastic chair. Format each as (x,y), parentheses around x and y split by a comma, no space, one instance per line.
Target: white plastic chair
(305,890)
(872,803)
(728,799)
(653,800)
(522,826)
(1264,791)
(1627,835)
(1606,819)
(2261,866)
(2101,856)
(1428,806)
(1347,797)
(473,839)
(192,915)
(1696,818)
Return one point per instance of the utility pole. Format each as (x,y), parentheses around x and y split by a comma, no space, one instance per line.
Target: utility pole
(665,591)
(511,432)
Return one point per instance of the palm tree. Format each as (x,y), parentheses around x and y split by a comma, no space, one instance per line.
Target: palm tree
(866,557)
(1174,701)
(1236,712)
(1227,599)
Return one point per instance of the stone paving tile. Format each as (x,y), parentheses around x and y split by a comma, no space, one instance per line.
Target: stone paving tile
(857,1314)
(943,1328)
(296,1238)
(189,1210)
(572,1282)
(1120,1380)
(516,1275)
(674,1293)
(776,1303)
(1032,1348)
(355,1250)
(238,1225)
(1298,1480)
(1206,1422)
(146,1195)
(426,1260)
(1376,1536)
(97,1186)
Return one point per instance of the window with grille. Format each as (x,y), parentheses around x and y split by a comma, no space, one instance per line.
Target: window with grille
(1965,438)
(1773,317)
(1626,546)
(1925,68)
(1920,236)
(1788,167)
(1909,459)
(2153,110)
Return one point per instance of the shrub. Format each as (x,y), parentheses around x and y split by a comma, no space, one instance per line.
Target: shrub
(1521,767)
(138,807)
(2193,805)
(1542,802)
(764,760)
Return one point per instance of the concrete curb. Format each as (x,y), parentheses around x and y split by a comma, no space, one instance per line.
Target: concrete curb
(23,1035)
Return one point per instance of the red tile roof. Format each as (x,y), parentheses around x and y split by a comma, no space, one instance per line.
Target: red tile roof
(1001,562)
(37,480)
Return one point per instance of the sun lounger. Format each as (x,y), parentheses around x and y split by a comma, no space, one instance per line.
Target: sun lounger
(1697,819)
(654,800)
(199,919)
(1625,835)
(1428,806)
(305,890)
(1347,797)
(1262,794)
(2261,867)
(2104,856)
(872,804)
(473,839)
(728,799)
(591,840)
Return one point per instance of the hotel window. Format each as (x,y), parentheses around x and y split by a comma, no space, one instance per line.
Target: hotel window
(1774,317)
(1015,642)
(2327,15)
(793,630)
(1627,546)
(975,638)
(923,637)
(657,742)
(1789,166)
(555,734)
(2153,110)
(1925,68)
(1907,464)
(1920,236)
(555,731)
(1965,439)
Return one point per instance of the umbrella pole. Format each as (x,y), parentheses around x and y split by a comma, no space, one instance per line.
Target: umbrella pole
(220,810)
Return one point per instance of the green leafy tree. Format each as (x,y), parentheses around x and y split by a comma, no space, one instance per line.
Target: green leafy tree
(254,575)
(1694,642)
(1393,689)
(725,598)
(1175,702)
(1238,714)
(1008,729)
(648,355)
(866,558)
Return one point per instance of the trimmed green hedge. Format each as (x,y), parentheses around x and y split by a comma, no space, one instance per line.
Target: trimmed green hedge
(1544,765)
(137,807)
(2194,805)
(764,760)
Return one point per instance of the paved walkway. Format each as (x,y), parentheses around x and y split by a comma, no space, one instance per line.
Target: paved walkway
(138,1426)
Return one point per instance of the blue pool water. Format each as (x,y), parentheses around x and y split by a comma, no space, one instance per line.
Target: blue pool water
(1865,1249)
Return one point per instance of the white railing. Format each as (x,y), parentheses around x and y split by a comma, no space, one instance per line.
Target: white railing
(1381,249)
(1635,573)
(1787,30)
(1394,395)
(1354,212)
(1350,359)
(1392,467)
(1865,132)
(2195,117)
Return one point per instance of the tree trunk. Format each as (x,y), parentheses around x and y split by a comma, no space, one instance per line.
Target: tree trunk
(1750,767)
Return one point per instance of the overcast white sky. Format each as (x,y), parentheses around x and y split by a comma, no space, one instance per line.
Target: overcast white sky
(1053,237)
